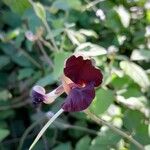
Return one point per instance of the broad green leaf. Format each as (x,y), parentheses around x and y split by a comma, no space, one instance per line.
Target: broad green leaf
(4,60)
(136,73)
(25,73)
(66,4)
(40,11)
(18,6)
(83,143)
(134,122)
(105,141)
(140,54)
(34,22)
(115,23)
(59,61)
(16,56)
(15,20)
(3,134)
(104,98)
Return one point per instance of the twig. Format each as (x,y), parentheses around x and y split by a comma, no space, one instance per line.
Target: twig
(28,130)
(47,44)
(50,34)
(48,29)
(115,129)
(69,126)
(45,54)
(45,118)
(16,105)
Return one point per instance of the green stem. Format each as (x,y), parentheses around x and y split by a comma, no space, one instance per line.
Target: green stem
(113,128)
(28,130)
(45,54)
(45,128)
(51,35)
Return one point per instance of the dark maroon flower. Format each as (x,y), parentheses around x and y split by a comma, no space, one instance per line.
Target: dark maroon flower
(79,81)
(82,77)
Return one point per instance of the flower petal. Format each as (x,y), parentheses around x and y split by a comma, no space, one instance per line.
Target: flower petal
(82,71)
(79,98)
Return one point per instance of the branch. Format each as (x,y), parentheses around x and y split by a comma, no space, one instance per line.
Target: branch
(99,121)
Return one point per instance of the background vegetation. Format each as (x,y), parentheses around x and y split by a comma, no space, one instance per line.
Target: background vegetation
(36,38)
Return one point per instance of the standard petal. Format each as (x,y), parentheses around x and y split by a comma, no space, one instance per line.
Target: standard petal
(79,98)
(82,71)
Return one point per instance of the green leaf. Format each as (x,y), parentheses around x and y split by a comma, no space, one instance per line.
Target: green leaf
(46,80)
(40,11)
(89,49)
(66,4)
(115,23)
(18,6)
(3,134)
(124,16)
(83,143)
(136,73)
(59,61)
(134,121)
(4,60)
(25,73)
(16,56)
(105,141)
(140,54)
(65,146)
(5,95)
(104,98)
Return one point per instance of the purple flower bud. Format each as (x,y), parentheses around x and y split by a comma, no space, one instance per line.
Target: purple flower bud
(38,95)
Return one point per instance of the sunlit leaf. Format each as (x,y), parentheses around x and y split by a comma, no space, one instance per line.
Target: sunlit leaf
(89,49)
(124,16)
(137,73)
(40,11)
(18,6)
(140,54)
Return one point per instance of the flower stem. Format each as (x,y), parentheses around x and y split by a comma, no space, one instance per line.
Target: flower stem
(45,127)
(115,129)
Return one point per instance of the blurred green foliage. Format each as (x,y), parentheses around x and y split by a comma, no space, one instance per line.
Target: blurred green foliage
(37,37)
